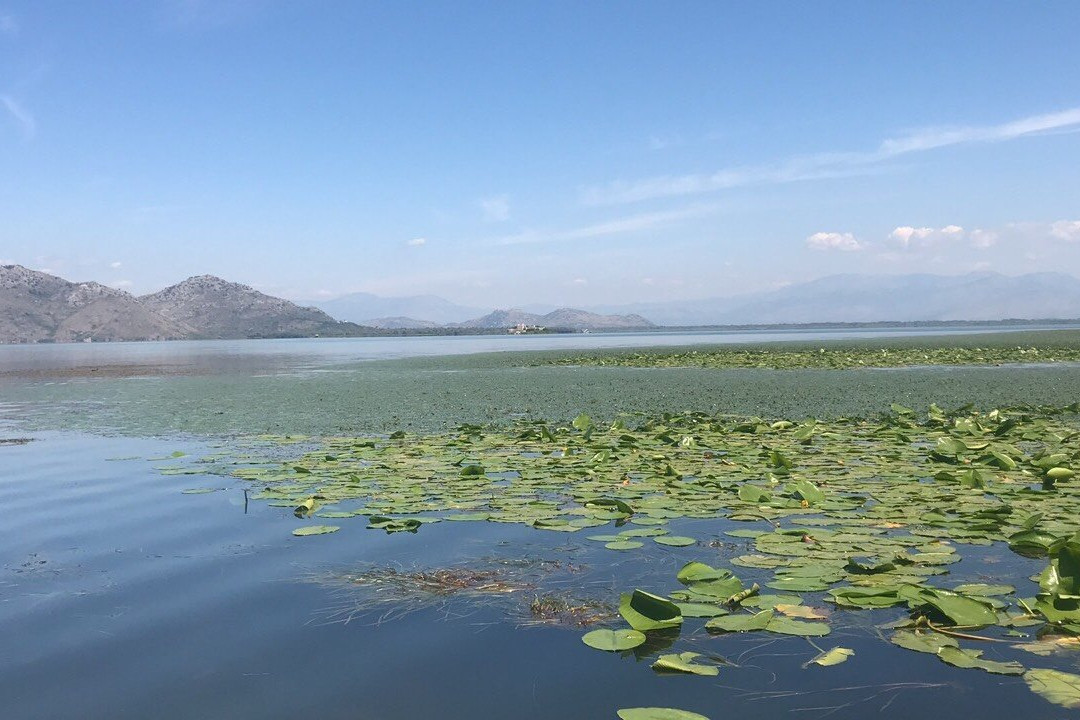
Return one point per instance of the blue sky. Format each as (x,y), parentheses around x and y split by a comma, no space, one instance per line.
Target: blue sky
(505,153)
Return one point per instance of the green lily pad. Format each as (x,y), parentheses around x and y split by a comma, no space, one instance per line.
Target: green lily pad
(684,663)
(613,640)
(1060,688)
(657,713)
(315,530)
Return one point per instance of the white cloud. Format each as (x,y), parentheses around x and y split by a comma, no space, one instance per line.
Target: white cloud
(22,117)
(833,241)
(1067,230)
(121,284)
(825,165)
(9,26)
(618,226)
(417,242)
(911,238)
(983,239)
(905,234)
(496,208)
(580,281)
(116,265)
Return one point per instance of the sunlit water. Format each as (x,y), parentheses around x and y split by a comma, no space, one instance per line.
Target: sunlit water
(122,597)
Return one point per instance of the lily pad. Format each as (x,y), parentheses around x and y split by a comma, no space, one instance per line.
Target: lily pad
(613,640)
(657,713)
(315,530)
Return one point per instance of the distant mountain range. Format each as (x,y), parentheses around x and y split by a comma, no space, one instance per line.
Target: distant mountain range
(38,307)
(566,318)
(876,298)
(424,310)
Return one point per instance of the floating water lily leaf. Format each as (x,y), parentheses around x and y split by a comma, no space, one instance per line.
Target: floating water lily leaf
(657,713)
(701,610)
(684,663)
(1060,688)
(960,610)
(924,642)
(624,545)
(315,530)
(832,657)
(808,492)
(613,640)
(801,611)
(754,494)
(645,611)
(798,584)
(964,658)
(741,623)
(984,590)
(675,540)
(693,572)
(788,626)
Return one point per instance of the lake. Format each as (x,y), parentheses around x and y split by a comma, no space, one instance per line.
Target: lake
(123,597)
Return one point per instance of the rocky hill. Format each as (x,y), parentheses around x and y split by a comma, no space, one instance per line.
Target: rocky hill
(38,307)
(216,308)
(568,318)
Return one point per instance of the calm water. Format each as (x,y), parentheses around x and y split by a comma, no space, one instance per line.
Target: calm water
(306,354)
(122,597)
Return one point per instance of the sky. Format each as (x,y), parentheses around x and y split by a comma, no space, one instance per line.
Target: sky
(513,153)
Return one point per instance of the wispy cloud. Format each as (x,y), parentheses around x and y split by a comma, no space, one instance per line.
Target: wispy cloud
(416,242)
(496,208)
(9,26)
(617,226)
(22,117)
(845,242)
(1067,230)
(907,236)
(915,240)
(826,165)
(116,265)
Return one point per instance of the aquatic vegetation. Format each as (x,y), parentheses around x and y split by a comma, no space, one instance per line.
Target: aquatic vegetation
(863,515)
(831,358)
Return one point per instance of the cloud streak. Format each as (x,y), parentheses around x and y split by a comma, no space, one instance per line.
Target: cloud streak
(617,226)
(9,26)
(826,165)
(22,117)
(845,242)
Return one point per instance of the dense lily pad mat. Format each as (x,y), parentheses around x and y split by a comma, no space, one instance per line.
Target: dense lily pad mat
(827,358)
(862,515)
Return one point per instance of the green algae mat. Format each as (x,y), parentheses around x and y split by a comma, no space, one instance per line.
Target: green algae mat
(840,517)
(827,358)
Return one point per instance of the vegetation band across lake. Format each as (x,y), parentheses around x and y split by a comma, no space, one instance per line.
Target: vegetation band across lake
(873,514)
(828,358)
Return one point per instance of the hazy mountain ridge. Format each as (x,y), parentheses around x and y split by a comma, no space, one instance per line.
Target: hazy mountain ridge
(369,309)
(38,307)
(876,298)
(570,318)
